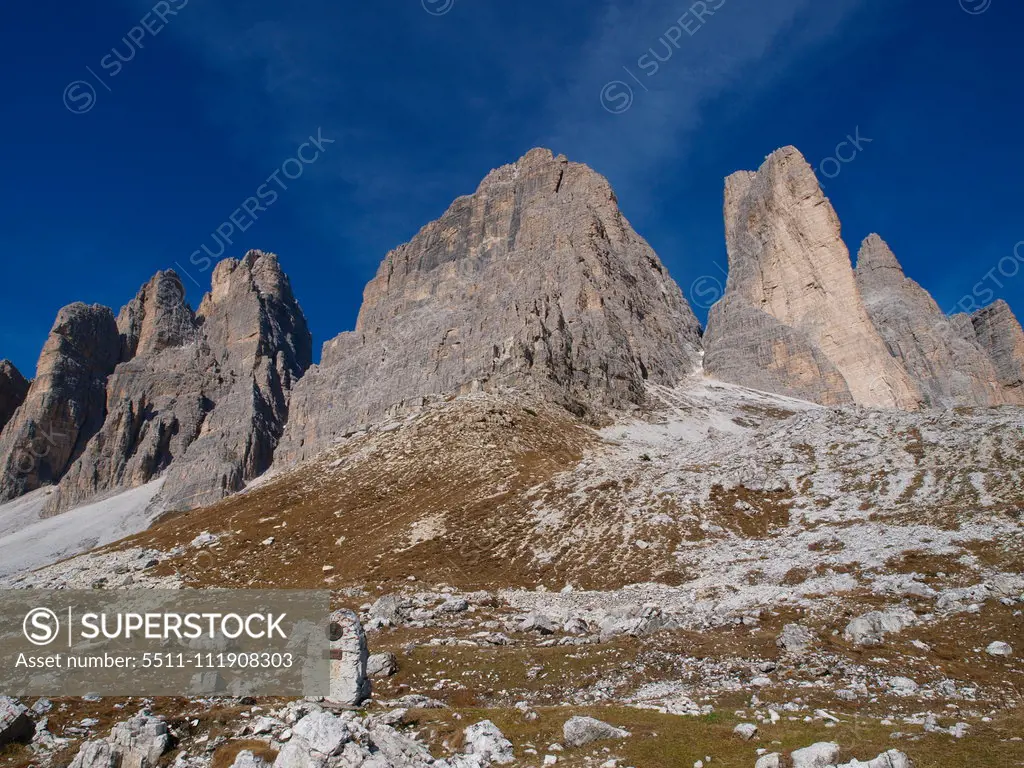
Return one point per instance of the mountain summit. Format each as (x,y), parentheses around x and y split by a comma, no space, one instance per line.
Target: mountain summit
(536,280)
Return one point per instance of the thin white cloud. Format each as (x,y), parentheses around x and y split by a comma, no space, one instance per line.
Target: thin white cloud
(675,57)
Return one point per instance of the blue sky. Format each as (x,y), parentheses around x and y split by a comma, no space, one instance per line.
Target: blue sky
(422,97)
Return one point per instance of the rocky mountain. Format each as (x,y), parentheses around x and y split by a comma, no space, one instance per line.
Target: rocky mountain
(65,405)
(555,539)
(199,396)
(949,369)
(535,281)
(731,574)
(792,320)
(999,333)
(796,319)
(13,388)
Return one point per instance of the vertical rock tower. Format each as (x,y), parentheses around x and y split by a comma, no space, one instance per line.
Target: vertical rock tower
(792,320)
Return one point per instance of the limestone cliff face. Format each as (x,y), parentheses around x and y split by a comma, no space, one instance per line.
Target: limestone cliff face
(13,389)
(64,406)
(260,345)
(792,320)
(535,280)
(201,397)
(999,333)
(949,368)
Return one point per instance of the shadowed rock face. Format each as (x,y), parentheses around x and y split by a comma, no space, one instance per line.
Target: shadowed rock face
(205,396)
(259,345)
(792,320)
(536,280)
(201,396)
(950,368)
(64,406)
(999,333)
(13,388)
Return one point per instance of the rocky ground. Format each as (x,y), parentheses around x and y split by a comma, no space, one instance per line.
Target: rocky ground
(731,561)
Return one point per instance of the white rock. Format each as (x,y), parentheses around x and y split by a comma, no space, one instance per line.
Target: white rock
(903,685)
(795,639)
(771,760)
(486,741)
(891,759)
(745,731)
(819,755)
(999,648)
(246,759)
(204,539)
(870,628)
(381,665)
(142,740)
(578,731)
(319,732)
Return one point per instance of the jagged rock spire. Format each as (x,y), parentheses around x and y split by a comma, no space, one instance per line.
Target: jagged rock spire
(202,397)
(999,333)
(792,320)
(948,368)
(64,406)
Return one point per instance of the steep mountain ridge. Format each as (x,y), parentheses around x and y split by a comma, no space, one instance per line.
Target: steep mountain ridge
(949,369)
(201,396)
(797,319)
(536,280)
(999,332)
(64,406)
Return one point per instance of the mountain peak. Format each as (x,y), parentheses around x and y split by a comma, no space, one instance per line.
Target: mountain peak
(536,280)
(875,256)
(792,320)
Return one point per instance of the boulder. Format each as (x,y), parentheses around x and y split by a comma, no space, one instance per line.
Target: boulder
(745,731)
(398,749)
(795,639)
(999,648)
(536,622)
(872,627)
(97,754)
(578,731)
(820,755)
(316,739)
(140,741)
(891,759)
(903,686)
(484,740)
(246,759)
(390,608)
(15,723)
(381,665)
